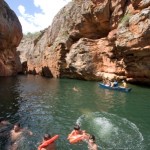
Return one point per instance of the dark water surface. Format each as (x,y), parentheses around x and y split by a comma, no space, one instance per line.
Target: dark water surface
(118,120)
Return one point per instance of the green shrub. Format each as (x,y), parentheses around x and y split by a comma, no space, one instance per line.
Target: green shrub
(29,34)
(125,19)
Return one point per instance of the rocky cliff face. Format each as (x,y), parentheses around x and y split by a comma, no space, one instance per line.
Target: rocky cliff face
(95,39)
(10,37)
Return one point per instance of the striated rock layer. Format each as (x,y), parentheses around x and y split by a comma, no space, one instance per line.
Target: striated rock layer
(10,37)
(92,40)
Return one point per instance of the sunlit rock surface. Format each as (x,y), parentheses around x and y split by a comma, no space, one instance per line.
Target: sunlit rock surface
(94,39)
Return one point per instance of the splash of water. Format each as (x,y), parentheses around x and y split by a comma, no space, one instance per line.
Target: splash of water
(112,131)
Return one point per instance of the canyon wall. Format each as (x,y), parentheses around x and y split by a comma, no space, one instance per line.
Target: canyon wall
(92,40)
(10,37)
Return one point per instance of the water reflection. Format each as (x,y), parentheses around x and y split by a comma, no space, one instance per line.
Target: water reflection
(9,97)
(109,99)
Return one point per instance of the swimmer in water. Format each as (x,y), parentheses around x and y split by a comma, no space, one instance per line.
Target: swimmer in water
(77,131)
(91,143)
(16,134)
(75,89)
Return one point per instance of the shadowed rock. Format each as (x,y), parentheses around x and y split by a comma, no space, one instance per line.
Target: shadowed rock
(10,37)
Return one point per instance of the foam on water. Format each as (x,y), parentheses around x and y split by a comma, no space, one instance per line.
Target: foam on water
(112,131)
(104,126)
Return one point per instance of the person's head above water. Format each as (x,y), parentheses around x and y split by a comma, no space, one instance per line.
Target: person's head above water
(47,136)
(92,137)
(76,127)
(17,126)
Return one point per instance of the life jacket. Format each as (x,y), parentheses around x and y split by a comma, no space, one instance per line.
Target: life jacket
(75,137)
(46,143)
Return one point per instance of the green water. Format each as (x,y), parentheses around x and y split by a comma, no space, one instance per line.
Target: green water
(118,120)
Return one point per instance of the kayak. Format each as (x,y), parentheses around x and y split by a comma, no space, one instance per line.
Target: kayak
(117,88)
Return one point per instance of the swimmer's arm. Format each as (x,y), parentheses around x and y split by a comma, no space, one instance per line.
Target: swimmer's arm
(70,134)
(30,133)
(86,136)
(27,131)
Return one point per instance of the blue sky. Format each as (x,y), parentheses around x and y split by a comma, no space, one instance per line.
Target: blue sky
(36,15)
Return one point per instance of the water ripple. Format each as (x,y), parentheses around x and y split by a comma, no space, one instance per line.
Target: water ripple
(112,131)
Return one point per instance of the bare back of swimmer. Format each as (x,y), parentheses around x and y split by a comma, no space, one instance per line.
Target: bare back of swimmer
(15,135)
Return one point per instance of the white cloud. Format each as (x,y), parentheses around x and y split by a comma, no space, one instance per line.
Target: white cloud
(21,9)
(38,21)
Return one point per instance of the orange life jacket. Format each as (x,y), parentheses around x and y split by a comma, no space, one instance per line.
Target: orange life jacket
(46,143)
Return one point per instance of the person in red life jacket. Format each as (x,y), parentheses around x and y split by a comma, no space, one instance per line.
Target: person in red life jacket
(77,135)
(48,142)
(76,131)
